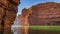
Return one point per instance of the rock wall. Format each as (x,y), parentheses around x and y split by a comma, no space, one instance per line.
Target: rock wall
(43,14)
(24,21)
(8,12)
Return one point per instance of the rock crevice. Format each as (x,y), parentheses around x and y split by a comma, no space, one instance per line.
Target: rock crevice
(8,12)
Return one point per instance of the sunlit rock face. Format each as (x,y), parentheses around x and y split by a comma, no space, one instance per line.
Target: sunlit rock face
(21,25)
(8,11)
(24,21)
(43,14)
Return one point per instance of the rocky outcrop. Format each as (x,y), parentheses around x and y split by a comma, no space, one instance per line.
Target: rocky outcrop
(21,23)
(8,11)
(43,14)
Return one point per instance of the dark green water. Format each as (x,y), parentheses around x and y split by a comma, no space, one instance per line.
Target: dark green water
(33,31)
(30,31)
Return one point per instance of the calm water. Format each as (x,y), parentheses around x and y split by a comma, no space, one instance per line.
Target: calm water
(18,30)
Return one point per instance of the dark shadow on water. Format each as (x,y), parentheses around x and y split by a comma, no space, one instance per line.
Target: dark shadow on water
(6,31)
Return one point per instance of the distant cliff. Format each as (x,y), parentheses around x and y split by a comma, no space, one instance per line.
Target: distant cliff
(42,14)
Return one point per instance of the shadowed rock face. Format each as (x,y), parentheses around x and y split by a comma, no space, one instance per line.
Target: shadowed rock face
(8,11)
(43,14)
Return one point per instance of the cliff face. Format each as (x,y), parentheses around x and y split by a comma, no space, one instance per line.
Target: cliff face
(43,14)
(8,11)
(22,20)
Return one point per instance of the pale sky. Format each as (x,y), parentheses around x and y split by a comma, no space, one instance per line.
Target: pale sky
(29,3)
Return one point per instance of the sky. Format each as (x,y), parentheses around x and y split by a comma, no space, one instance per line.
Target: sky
(29,3)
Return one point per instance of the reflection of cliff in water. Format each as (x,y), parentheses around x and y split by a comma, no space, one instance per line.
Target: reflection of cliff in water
(32,31)
(17,27)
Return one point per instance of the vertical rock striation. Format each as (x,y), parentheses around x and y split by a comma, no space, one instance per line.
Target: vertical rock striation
(8,11)
(43,14)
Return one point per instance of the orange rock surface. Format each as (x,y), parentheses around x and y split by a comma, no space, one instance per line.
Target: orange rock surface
(43,14)
(8,12)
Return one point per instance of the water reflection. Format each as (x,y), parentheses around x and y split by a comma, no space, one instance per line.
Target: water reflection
(21,30)
(17,29)
(6,31)
(33,31)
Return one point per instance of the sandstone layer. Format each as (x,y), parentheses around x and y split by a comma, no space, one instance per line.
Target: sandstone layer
(43,14)
(8,12)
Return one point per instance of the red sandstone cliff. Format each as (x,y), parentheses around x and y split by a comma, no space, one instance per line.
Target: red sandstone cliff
(43,14)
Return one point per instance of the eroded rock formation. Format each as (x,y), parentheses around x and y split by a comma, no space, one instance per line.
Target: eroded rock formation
(8,11)
(43,14)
